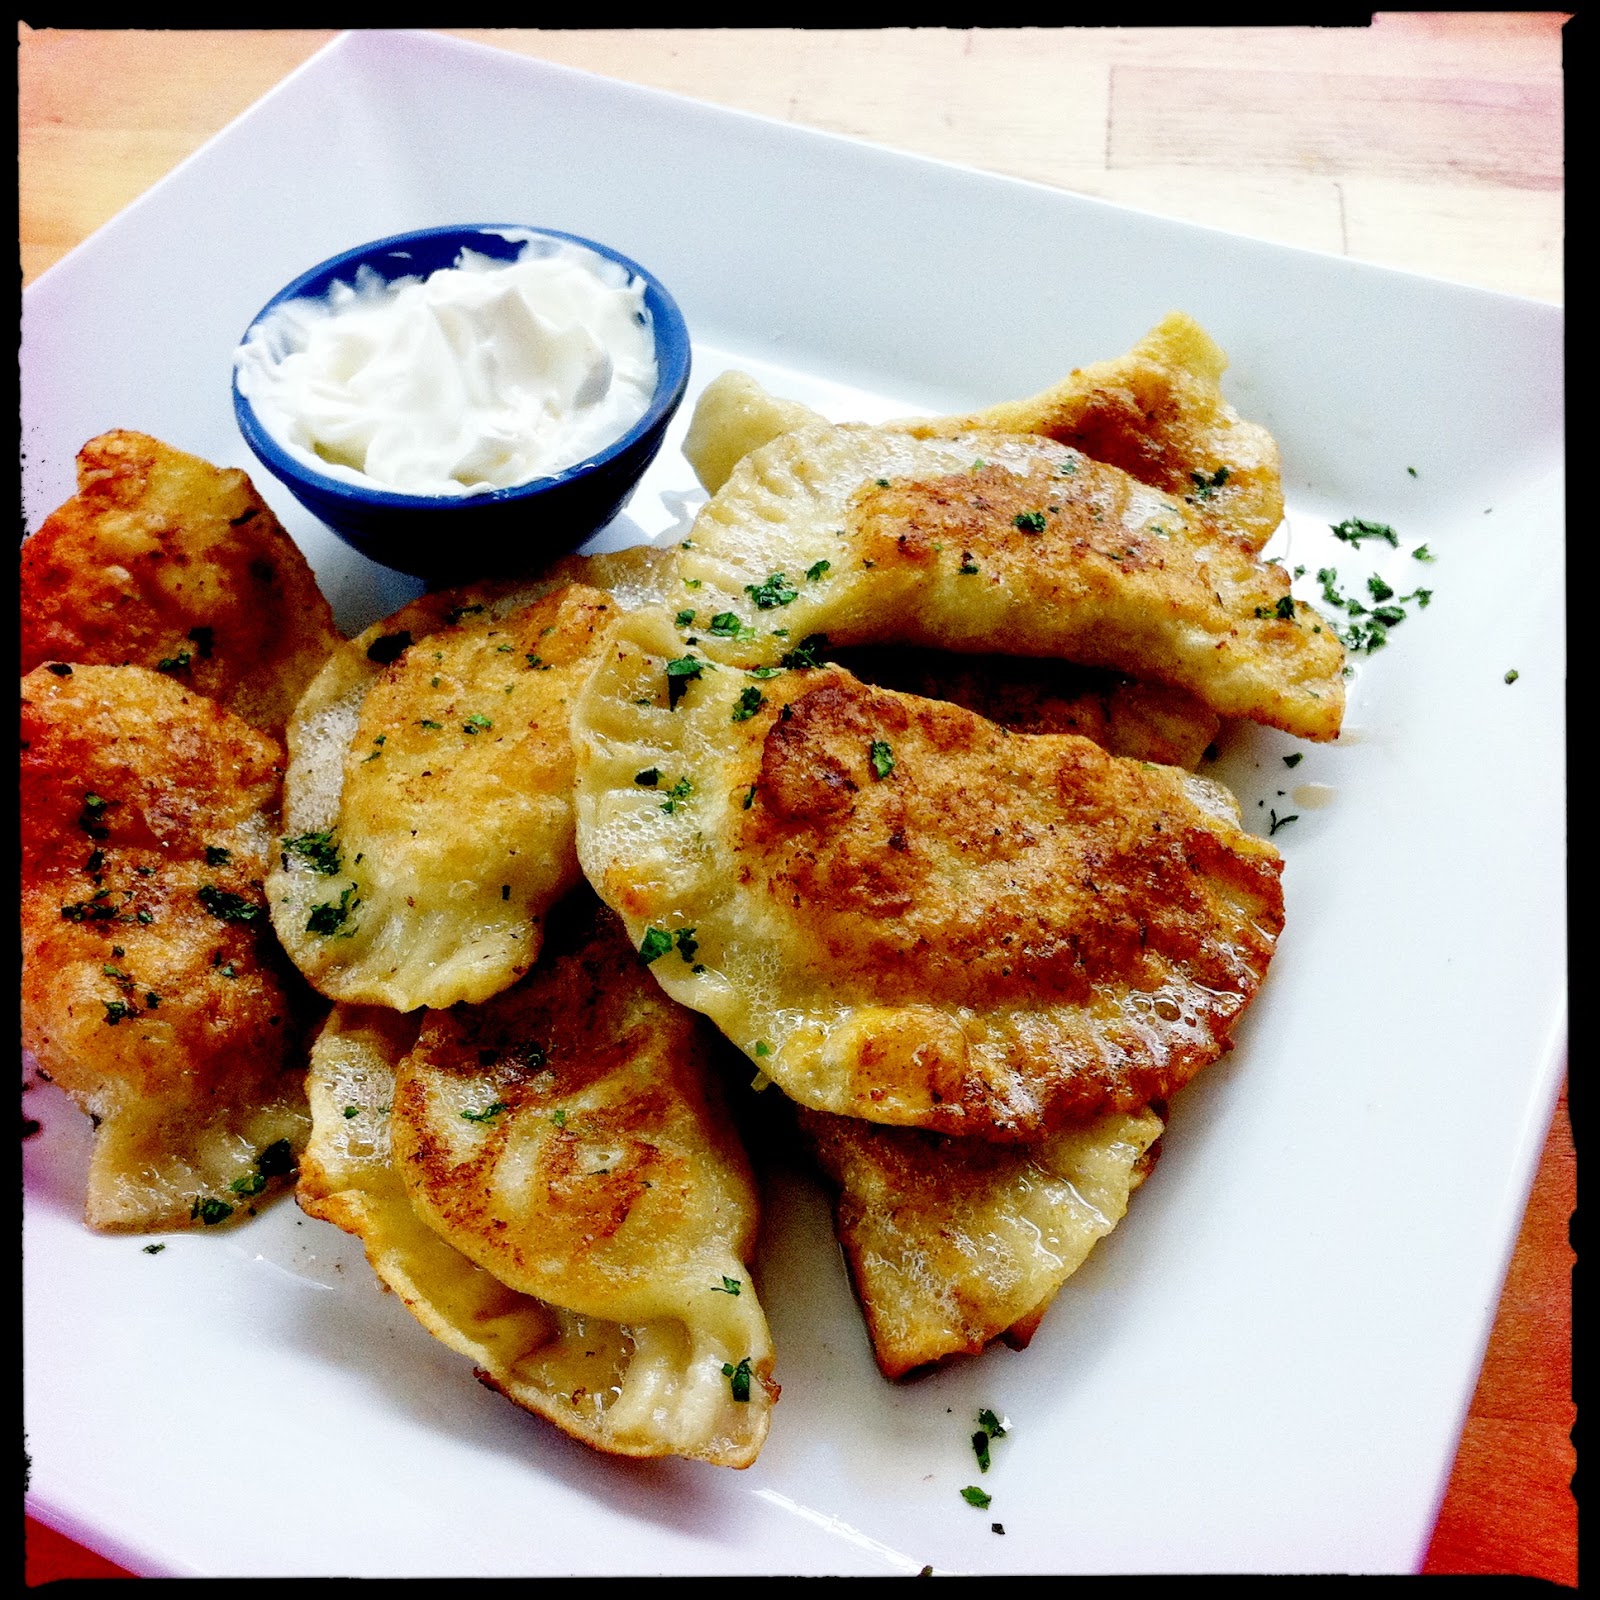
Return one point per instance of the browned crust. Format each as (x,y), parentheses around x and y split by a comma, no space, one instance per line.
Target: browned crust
(161,558)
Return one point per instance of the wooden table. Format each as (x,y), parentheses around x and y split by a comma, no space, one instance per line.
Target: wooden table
(1429,141)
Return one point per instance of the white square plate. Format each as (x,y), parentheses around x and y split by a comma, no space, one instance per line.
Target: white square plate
(1266,1367)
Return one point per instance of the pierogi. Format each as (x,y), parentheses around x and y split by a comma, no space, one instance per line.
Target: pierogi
(164,561)
(953,1243)
(552,1184)
(1004,543)
(1156,412)
(428,803)
(152,990)
(903,913)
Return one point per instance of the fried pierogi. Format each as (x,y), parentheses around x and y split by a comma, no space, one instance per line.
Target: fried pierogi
(953,1243)
(164,561)
(903,913)
(1000,543)
(1146,721)
(1158,414)
(429,800)
(152,990)
(551,1182)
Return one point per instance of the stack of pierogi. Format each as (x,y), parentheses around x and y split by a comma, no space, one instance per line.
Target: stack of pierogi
(883,776)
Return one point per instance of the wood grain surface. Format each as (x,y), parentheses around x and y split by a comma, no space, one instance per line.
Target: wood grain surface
(1427,141)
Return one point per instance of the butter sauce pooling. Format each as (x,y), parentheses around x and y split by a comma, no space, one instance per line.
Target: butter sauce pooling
(481,376)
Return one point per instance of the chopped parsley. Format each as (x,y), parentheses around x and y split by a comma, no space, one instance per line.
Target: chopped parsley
(1354,529)
(154,1249)
(1280,822)
(1423,553)
(751,701)
(327,918)
(776,591)
(226,906)
(210,1211)
(559,1116)
(92,818)
(726,625)
(488,1114)
(352,1111)
(687,945)
(1295,759)
(763,1048)
(680,674)
(806,653)
(968,565)
(882,483)
(1205,487)
(976,1497)
(251,1183)
(116,1010)
(1029,521)
(684,618)
(175,663)
(276,1159)
(727,1286)
(749,797)
(649,778)
(815,573)
(1513,675)
(389,647)
(317,850)
(1283,610)
(738,1378)
(535,661)
(676,795)
(476,722)
(989,1427)
(216,856)
(428,722)
(656,943)
(881,757)
(452,617)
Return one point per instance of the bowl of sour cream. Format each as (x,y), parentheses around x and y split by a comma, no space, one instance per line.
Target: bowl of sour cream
(464,401)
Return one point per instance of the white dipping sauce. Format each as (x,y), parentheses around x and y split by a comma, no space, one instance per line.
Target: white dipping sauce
(482,376)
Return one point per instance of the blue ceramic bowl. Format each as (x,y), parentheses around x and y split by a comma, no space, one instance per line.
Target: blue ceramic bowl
(457,538)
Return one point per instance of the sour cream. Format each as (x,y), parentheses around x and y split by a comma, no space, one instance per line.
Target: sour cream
(481,376)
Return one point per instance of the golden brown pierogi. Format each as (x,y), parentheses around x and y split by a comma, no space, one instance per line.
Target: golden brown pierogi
(903,913)
(953,1243)
(551,1182)
(153,991)
(164,561)
(1158,414)
(429,797)
(1000,543)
